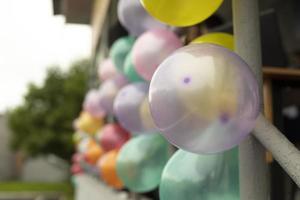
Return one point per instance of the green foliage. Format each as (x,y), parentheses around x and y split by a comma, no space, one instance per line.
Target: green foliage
(43,123)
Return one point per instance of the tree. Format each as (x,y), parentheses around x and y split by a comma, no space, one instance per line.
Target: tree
(43,123)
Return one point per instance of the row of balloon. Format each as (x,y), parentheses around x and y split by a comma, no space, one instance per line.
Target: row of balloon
(203,98)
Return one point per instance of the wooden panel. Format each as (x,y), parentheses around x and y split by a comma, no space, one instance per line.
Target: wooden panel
(281,73)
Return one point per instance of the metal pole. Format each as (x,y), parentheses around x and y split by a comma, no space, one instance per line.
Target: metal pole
(286,154)
(254,182)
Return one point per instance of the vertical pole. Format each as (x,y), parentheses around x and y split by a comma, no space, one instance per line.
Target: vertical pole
(254,182)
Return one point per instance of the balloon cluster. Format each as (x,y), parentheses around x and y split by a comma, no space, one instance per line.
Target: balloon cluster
(202,98)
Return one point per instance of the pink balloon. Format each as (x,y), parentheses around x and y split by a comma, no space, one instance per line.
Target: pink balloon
(77,158)
(76,169)
(92,104)
(151,48)
(106,70)
(113,136)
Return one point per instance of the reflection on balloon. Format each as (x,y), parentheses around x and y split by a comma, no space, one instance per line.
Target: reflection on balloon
(107,168)
(211,177)
(92,105)
(204,98)
(133,99)
(181,13)
(87,123)
(108,91)
(113,136)
(141,161)
(151,48)
(129,70)
(222,39)
(119,51)
(135,19)
(107,70)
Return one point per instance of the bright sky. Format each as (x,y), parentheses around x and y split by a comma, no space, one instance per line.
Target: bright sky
(31,39)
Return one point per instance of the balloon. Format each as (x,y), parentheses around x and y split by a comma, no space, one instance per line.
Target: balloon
(204,98)
(151,48)
(181,13)
(76,169)
(222,39)
(119,51)
(134,17)
(85,144)
(92,105)
(108,91)
(141,161)
(87,123)
(78,136)
(113,136)
(107,169)
(129,108)
(77,158)
(107,70)
(93,153)
(204,177)
(129,70)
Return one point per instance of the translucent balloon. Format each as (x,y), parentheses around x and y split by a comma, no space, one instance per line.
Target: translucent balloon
(88,124)
(113,136)
(93,153)
(204,98)
(141,161)
(107,70)
(129,70)
(109,90)
(119,51)
(92,105)
(222,39)
(151,48)
(134,17)
(190,176)
(181,13)
(130,108)
(107,169)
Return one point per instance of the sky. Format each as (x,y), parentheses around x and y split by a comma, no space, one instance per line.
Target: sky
(31,40)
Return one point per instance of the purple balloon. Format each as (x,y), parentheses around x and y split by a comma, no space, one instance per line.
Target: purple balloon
(151,48)
(204,98)
(131,108)
(92,105)
(109,90)
(135,18)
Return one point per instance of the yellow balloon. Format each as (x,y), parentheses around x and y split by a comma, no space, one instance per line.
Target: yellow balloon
(88,123)
(181,12)
(222,39)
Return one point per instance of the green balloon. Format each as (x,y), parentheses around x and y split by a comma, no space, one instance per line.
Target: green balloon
(129,70)
(141,162)
(191,176)
(119,50)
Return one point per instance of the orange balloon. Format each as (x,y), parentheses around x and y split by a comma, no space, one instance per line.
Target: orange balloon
(107,167)
(88,124)
(93,153)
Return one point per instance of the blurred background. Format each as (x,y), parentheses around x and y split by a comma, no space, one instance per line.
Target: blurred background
(49,54)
